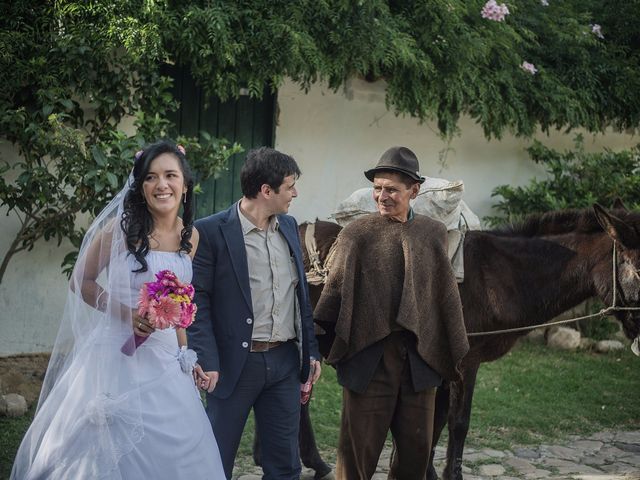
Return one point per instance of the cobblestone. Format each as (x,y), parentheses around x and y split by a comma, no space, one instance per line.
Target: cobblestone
(603,456)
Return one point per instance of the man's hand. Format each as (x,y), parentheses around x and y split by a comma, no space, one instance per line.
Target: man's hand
(207,380)
(316,368)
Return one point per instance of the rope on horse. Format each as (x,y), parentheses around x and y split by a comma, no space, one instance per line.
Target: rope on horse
(317,275)
(601,313)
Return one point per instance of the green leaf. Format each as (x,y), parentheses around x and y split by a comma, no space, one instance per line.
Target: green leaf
(98,156)
(113,180)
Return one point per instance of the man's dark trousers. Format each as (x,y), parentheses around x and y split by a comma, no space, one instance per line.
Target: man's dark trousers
(270,381)
(390,402)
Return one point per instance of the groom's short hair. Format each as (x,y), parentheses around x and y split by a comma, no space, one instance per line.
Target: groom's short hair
(265,165)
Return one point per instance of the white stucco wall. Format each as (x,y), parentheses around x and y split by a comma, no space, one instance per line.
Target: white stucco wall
(336,136)
(33,290)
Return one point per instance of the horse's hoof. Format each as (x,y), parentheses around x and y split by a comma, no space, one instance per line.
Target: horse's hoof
(325,476)
(318,466)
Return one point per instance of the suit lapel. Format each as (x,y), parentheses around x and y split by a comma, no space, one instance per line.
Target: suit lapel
(232,232)
(288,236)
(291,236)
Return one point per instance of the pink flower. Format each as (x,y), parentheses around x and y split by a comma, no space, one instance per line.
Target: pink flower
(143,301)
(154,289)
(596,30)
(529,67)
(166,274)
(187,315)
(493,11)
(164,313)
(166,302)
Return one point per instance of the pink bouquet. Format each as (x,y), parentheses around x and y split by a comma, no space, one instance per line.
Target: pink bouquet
(164,303)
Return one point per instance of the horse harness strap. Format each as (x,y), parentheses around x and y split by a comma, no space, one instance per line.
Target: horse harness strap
(317,275)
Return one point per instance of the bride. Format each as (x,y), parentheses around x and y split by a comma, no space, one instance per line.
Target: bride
(102,413)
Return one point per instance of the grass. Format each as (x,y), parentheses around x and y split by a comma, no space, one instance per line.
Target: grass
(535,395)
(532,395)
(11,432)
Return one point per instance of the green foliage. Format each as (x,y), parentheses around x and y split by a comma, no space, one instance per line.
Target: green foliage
(74,72)
(575,179)
(72,75)
(440,59)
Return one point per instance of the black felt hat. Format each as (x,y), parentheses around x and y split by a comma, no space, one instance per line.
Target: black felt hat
(397,159)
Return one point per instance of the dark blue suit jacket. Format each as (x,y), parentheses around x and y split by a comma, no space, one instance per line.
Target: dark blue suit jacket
(221,333)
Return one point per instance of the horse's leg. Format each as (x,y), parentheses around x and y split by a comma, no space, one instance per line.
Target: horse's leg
(460,397)
(439,421)
(308,449)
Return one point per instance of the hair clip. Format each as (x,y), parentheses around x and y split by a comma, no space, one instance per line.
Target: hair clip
(181,149)
(138,154)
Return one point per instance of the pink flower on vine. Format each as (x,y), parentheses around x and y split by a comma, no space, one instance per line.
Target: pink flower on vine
(529,67)
(495,12)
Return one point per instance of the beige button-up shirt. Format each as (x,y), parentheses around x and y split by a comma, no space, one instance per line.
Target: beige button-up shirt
(272,278)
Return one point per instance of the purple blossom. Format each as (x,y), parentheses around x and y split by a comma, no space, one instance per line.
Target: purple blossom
(596,30)
(495,12)
(529,67)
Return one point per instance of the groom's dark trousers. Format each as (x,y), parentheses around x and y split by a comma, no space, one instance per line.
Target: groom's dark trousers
(270,383)
(221,335)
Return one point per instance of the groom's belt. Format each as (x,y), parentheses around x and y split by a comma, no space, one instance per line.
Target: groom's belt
(258,346)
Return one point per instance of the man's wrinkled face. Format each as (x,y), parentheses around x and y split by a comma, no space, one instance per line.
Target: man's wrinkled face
(392,195)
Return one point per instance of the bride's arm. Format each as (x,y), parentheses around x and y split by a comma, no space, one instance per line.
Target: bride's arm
(200,378)
(85,276)
(88,268)
(181,333)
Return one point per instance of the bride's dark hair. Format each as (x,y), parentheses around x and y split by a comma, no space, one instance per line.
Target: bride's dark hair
(136,222)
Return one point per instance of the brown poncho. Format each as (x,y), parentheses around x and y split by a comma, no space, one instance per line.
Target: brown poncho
(386,276)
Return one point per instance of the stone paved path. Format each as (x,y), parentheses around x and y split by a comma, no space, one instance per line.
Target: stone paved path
(603,456)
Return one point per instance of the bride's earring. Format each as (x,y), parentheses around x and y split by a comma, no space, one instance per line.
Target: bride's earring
(184,197)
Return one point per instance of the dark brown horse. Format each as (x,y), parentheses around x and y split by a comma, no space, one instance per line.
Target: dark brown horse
(523,276)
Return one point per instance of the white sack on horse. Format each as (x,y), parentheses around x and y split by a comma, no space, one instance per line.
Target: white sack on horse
(438,198)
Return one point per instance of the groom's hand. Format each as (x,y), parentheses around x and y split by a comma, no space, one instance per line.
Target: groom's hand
(316,368)
(213,380)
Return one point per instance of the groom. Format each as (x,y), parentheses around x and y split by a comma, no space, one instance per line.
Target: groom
(254,331)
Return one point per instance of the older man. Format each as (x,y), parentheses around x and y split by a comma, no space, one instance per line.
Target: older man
(392,301)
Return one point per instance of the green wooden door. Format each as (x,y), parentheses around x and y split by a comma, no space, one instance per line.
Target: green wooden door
(246,121)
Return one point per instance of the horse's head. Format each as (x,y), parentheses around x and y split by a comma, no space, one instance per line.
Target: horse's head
(624,230)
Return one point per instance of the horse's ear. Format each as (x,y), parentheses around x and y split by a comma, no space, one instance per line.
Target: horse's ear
(616,228)
(618,204)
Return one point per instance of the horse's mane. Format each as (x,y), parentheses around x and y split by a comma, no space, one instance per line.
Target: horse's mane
(556,223)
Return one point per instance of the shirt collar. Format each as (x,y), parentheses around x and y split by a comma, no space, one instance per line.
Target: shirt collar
(410,214)
(248,226)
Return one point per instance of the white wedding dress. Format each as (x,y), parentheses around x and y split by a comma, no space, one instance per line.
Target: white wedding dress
(146,421)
